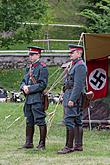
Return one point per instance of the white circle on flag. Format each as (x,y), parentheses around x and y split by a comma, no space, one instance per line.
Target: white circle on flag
(98,78)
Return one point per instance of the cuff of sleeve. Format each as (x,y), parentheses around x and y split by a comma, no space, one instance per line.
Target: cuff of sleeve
(72,99)
(29,87)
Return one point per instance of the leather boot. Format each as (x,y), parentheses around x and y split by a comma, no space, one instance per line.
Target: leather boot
(78,139)
(29,137)
(43,133)
(69,142)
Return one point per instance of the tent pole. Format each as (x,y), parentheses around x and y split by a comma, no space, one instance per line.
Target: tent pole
(81,37)
(89,115)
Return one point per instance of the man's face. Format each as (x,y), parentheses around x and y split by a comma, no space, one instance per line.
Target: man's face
(74,55)
(33,57)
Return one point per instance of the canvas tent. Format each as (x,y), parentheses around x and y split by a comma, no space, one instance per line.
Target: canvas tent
(96,45)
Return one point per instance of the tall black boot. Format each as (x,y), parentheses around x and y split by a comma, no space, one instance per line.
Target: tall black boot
(78,139)
(29,137)
(69,142)
(43,133)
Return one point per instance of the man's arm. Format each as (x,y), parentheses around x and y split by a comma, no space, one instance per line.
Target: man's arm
(79,83)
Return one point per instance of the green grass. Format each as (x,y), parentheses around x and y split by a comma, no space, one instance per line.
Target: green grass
(12,136)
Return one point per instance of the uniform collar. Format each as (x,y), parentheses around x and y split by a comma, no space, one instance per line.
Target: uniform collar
(76,60)
(34,64)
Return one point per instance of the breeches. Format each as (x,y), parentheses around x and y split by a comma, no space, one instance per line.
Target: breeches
(72,117)
(34,114)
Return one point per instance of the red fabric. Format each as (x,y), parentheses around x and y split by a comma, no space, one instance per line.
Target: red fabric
(35,50)
(97,77)
(35,65)
(43,64)
(73,62)
(73,49)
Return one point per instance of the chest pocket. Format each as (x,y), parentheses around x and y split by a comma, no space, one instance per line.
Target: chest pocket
(36,73)
(70,77)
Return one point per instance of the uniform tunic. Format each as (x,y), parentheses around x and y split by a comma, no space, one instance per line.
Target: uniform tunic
(75,82)
(33,108)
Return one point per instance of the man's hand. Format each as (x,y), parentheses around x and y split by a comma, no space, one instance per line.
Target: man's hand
(70,103)
(25,89)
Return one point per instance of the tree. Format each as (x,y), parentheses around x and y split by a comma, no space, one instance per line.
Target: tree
(97,14)
(13,13)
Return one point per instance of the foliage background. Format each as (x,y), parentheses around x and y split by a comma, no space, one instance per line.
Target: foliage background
(92,15)
(13,18)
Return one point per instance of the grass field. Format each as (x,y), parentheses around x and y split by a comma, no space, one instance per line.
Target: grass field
(12,136)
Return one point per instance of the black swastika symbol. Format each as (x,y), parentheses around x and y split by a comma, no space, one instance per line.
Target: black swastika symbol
(98,79)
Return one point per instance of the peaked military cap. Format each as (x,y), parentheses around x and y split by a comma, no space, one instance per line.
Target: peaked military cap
(74,47)
(35,50)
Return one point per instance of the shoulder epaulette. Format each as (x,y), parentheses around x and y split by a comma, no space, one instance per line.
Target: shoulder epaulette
(42,63)
(80,62)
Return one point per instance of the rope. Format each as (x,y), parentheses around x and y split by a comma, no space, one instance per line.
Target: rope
(20,135)
(52,114)
(14,121)
(54,72)
(55,83)
(61,77)
(6,117)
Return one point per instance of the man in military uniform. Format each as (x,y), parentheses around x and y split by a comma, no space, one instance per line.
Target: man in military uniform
(74,86)
(33,84)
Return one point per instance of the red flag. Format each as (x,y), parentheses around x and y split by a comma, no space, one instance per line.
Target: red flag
(97,77)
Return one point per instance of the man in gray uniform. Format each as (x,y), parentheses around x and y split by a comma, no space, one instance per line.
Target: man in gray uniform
(33,84)
(74,86)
